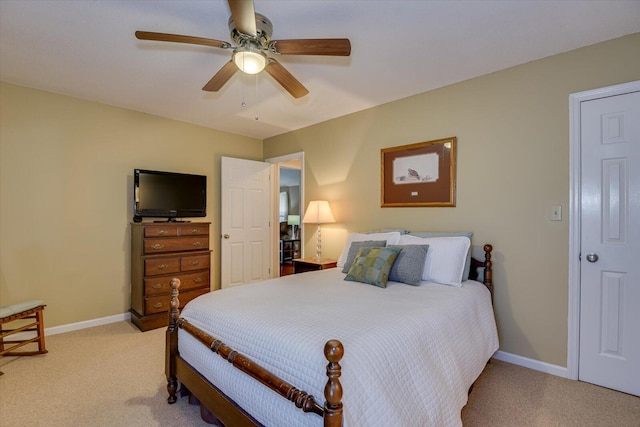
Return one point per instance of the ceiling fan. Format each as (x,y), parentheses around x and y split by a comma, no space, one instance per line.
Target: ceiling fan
(251,36)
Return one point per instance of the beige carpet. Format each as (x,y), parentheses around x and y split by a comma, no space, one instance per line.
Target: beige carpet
(112,375)
(509,395)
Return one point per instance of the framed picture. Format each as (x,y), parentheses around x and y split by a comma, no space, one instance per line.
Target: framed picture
(422,174)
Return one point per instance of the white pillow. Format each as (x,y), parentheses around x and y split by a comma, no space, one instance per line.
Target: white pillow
(445,258)
(391,238)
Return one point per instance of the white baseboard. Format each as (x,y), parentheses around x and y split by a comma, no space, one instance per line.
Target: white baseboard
(74,326)
(536,365)
(86,324)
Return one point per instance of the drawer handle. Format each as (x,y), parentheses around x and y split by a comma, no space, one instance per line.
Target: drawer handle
(158,305)
(162,266)
(197,280)
(157,286)
(162,232)
(197,244)
(157,246)
(195,262)
(195,231)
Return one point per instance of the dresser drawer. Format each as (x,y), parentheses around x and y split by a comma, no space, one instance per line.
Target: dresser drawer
(194,280)
(157,266)
(196,262)
(168,231)
(194,230)
(160,304)
(156,246)
(162,285)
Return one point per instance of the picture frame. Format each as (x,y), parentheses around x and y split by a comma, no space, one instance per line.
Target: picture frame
(419,175)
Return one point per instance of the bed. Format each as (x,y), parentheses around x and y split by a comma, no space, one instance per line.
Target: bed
(404,353)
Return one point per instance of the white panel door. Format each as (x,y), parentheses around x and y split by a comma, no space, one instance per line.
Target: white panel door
(244,221)
(610,243)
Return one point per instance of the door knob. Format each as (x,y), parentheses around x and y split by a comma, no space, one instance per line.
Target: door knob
(226,236)
(592,257)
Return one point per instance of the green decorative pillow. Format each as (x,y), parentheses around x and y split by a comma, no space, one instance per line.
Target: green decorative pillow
(372,265)
(355,247)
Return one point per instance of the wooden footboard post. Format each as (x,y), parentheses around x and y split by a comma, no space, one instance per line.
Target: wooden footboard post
(333,351)
(488,271)
(172,342)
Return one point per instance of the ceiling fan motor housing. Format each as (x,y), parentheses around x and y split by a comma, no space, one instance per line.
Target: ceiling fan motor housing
(264,29)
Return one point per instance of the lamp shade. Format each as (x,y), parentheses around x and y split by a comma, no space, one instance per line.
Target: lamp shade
(318,212)
(293,219)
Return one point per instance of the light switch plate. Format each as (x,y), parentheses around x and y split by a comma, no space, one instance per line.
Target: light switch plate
(556,213)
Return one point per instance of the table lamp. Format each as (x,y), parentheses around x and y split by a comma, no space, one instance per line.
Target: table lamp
(294,222)
(318,212)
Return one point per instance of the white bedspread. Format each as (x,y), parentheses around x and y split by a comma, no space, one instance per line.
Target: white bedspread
(411,352)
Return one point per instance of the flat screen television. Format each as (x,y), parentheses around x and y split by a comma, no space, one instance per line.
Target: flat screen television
(168,195)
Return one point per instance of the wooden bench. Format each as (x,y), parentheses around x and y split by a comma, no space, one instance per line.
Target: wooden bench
(20,312)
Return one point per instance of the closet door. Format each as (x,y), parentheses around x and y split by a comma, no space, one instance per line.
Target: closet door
(610,243)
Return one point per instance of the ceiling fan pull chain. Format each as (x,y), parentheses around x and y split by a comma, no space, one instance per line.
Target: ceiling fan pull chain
(256,117)
(243,103)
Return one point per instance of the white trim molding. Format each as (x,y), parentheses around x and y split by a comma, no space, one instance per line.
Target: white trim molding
(536,365)
(55,330)
(575,189)
(86,324)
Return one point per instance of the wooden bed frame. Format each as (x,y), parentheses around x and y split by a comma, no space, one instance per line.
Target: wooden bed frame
(217,408)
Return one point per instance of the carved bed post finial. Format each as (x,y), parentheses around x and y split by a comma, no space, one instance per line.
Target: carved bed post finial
(172,342)
(333,351)
(488,271)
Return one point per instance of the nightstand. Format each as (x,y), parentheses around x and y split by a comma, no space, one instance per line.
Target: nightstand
(311,264)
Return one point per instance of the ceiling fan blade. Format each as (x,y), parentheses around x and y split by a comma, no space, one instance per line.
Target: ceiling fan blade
(226,72)
(286,79)
(163,37)
(244,16)
(333,47)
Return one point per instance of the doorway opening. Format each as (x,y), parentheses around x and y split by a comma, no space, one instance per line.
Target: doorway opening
(289,203)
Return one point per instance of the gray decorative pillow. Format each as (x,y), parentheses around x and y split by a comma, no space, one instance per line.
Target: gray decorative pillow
(409,264)
(355,247)
(372,265)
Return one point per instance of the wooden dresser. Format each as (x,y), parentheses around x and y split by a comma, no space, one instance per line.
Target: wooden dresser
(160,252)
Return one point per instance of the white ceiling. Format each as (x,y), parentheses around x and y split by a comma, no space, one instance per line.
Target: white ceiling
(87,49)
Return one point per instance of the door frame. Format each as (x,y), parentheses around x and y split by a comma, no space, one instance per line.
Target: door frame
(275,185)
(575,188)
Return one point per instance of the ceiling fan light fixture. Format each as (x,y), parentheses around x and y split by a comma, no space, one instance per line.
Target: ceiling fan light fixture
(249,61)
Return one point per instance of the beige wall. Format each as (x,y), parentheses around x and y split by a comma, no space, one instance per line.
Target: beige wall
(513,165)
(66,177)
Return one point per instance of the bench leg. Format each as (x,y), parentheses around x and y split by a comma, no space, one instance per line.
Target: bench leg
(39,320)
